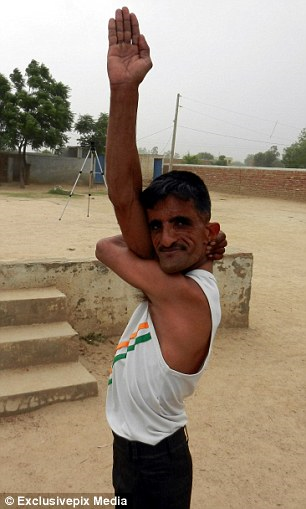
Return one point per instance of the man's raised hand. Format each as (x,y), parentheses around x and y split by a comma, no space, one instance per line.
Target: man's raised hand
(216,248)
(128,59)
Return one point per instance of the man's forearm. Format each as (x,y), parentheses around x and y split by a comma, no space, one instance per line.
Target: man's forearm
(128,62)
(123,168)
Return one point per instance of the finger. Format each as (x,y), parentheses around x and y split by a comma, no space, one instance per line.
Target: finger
(144,49)
(112,33)
(215,257)
(216,247)
(127,29)
(220,237)
(119,25)
(134,28)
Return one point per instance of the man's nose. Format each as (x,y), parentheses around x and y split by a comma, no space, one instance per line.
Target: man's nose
(168,236)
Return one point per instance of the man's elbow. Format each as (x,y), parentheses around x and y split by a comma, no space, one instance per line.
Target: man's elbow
(100,250)
(107,249)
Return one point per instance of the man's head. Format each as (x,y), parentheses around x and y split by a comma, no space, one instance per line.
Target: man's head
(178,209)
(184,185)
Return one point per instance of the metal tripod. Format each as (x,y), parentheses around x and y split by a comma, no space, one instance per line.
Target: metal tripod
(92,153)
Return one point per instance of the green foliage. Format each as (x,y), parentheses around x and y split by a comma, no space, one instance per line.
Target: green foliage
(59,191)
(249,160)
(94,338)
(34,110)
(191,159)
(267,159)
(206,156)
(167,155)
(295,155)
(90,130)
(143,150)
(221,161)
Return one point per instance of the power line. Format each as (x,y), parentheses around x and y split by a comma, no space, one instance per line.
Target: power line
(242,114)
(228,135)
(229,123)
(267,142)
(157,132)
(166,145)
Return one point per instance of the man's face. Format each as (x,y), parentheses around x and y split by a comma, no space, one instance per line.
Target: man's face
(179,233)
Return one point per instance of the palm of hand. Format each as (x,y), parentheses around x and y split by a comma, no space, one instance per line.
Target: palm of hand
(125,64)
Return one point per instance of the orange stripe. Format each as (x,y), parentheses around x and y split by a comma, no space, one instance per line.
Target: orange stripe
(124,344)
(143,325)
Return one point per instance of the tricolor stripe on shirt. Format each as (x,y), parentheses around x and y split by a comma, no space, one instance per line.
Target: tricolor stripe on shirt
(139,336)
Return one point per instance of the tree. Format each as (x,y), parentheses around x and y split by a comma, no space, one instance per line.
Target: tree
(268,159)
(4,90)
(167,155)
(191,159)
(221,161)
(92,130)
(295,155)
(34,110)
(206,156)
(143,150)
(249,160)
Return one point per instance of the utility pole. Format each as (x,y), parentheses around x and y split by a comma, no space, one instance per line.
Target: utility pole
(174,131)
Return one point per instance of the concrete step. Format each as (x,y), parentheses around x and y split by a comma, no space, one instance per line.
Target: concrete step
(31,305)
(27,389)
(28,345)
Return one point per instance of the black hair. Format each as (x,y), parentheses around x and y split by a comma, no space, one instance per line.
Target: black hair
(184,185)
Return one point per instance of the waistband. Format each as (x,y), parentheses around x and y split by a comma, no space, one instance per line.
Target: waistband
(137,449)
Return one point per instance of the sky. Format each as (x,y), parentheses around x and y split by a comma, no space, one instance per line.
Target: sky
(238,65)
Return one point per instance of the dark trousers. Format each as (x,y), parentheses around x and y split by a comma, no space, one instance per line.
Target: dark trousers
(153,477)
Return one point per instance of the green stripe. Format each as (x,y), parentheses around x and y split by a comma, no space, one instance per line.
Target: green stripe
(140,339)
(118,357)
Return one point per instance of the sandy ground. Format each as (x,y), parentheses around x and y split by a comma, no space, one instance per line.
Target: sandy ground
(246,419)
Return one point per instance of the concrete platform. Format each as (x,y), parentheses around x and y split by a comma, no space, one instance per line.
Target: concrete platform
(31,305)
(30,388)
(98,301)
(24,345)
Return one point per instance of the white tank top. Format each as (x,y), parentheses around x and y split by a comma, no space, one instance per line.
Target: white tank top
(145,397)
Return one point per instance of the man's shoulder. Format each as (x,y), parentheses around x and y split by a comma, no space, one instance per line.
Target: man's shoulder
(203,277)
(208,284)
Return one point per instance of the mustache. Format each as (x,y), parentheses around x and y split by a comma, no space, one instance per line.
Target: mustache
(176,246)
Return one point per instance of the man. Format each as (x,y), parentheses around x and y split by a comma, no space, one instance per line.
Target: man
(163,251)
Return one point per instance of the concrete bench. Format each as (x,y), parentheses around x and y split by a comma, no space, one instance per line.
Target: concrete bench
(98,301)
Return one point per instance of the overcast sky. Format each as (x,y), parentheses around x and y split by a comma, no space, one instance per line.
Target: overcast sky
(239,65)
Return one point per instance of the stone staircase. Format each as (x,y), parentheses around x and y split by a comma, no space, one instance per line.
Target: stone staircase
(38,352)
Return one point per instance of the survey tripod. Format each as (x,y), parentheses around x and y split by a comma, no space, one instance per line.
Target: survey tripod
(92,153)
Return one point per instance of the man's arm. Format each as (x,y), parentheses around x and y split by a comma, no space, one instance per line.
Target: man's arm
(128,63)
(177,304)
(146,275)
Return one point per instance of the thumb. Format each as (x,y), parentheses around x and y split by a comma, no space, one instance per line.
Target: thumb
(144,49)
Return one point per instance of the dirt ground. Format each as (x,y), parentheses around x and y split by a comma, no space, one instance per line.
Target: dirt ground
(247,418)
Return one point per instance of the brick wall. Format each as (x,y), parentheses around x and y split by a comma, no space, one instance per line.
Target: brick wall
(275,182)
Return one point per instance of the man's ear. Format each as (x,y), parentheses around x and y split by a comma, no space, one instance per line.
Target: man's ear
(213,229)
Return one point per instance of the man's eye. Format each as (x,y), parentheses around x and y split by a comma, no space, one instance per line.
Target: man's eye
(154,226)
(182,222)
